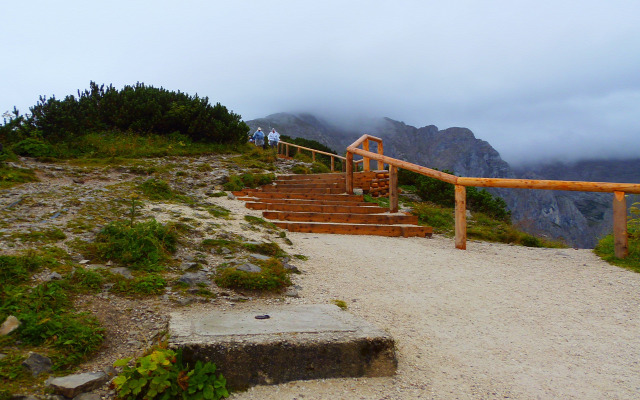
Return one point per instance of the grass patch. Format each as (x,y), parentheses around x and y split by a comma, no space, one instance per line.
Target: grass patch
(256,157)
(380,201)
(141,246)
(273,277)
(259,221)
(340,303)
(248,180)
(14,176)
(216,194)
(217,211)
(48,235)
(144,285)
(605,249)
(480,227)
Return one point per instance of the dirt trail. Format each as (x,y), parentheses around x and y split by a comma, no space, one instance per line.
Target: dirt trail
(495,321)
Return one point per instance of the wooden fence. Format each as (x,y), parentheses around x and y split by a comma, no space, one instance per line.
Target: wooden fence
(618,189)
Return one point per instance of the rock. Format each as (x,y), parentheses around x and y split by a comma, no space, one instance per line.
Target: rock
(248,267)
(9,325)
(72,385)
(188,265)
(193,278)
(54,276)
(126,272)
(37,363)
(259,256)
(156,209)
(231,196)
(291,292)
(184,301)
(87,396)
(291,268)
(84,261)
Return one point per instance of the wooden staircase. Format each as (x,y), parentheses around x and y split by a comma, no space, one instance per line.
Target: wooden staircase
(318,204)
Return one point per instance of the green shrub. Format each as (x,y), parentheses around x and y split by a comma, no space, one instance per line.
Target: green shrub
(272,277)
(157,189)
(32,147)
(606,246)
(141,246)
(319,168)
(300,169)
(162,375)
(248,180)
(268,249)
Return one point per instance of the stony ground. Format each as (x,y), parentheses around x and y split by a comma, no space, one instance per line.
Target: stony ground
(493,322)
(79,200)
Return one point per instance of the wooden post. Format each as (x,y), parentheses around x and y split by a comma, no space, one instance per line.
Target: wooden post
(349,173)
(461,217)
(620,238)
(332,163)
(365,160)
(313,156)
(380,163)
(287,155)
(393,188)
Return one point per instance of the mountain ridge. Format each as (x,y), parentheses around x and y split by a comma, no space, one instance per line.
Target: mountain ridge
(578,218)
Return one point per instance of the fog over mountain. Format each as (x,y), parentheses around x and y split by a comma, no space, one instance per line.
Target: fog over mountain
(536,79)
(577,218)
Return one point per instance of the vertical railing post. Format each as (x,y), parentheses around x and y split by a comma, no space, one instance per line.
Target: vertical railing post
(332,164)
(349,172)
(393,188)
(380,151)
(313,156)
(461,217)
(287,155)
(620,237)
(365,160)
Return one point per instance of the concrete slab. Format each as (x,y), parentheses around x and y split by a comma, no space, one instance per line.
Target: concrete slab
(295,343)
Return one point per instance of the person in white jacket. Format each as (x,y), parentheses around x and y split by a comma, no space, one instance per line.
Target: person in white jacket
(274,138)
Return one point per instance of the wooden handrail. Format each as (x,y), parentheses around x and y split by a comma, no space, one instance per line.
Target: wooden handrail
(619,190)
(313,153)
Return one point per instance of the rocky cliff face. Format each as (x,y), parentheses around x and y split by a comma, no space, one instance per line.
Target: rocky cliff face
(577,218)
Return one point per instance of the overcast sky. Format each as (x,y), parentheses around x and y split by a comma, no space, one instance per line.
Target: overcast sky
(555,79)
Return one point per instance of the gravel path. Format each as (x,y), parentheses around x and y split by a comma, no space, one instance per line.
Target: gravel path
(493,322)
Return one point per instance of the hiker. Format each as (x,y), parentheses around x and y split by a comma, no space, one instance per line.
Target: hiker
(258,137)
(274,138)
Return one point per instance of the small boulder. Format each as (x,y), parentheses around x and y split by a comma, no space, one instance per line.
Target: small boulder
(126,272)
(259,256)
(37,364)
(248,267)
(9,325)
(72,385)
(193,278)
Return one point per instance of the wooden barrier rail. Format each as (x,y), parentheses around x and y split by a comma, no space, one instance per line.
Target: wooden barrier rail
(285,146)
(618,189)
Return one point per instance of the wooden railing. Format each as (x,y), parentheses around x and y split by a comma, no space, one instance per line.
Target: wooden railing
(283,148)
(618,189)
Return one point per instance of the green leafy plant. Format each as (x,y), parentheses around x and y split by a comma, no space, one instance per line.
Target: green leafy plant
(340,303)
(162,375)
(32,147)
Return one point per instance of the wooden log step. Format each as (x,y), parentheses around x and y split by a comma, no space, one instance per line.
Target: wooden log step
(311,185)
(341,218)
(355,229)
(323,190)
(306,196)
(329,176)
(315,208)
(308,201)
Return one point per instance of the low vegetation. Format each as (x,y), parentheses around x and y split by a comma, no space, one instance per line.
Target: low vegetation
(272,277)
(606,246)
(163,375)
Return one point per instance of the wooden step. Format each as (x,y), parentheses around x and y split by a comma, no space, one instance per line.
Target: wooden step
(304,201)
(311,185)
(323,190)
(341,218)
(315,208)
(330,176)
(306,196)
(355,229)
